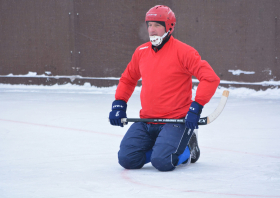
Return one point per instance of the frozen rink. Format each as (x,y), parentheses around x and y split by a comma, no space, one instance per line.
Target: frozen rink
(57,142)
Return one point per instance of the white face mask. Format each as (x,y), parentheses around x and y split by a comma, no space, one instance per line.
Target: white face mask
(157,40)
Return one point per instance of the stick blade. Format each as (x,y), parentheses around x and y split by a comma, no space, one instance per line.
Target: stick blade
(220,107)
(226,93)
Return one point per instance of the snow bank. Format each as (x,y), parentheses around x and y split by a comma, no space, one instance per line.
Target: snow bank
(271,93)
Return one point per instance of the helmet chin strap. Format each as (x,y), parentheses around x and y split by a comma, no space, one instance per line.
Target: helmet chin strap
(157,40)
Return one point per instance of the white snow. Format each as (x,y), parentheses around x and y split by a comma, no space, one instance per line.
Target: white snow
(56,141)
(31,74)
(238,72)
(268,71)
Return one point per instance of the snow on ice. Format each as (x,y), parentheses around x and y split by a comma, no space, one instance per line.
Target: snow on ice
(238,72)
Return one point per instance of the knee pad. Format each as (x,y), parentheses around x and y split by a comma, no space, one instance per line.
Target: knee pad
(162,164)
(130,161)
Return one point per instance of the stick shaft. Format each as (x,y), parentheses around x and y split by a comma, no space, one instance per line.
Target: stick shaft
(202,121)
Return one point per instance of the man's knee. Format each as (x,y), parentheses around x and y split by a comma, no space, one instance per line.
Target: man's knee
(131,160)
(163,164)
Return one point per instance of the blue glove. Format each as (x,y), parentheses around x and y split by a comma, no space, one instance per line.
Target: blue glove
(193,115)
(118,112)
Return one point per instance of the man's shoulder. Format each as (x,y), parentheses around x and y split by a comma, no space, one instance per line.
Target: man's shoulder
(144,46)
(182,44)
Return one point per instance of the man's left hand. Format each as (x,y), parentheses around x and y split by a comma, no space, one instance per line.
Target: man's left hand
(193,115)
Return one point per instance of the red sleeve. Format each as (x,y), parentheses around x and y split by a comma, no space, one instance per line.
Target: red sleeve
(208,80)
(129,79)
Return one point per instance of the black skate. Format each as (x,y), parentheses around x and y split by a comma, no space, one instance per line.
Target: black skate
(194,149)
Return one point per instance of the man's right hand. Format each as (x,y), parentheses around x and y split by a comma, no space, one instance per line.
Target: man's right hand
(118,112)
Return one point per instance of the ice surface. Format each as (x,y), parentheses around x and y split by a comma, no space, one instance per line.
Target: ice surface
(56,142)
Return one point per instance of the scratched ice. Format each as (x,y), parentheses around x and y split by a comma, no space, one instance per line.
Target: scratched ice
(57,142)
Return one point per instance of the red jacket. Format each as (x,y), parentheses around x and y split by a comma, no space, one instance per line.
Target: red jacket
(167,79)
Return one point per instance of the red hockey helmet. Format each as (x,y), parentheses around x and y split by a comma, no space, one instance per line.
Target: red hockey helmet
(162,13)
